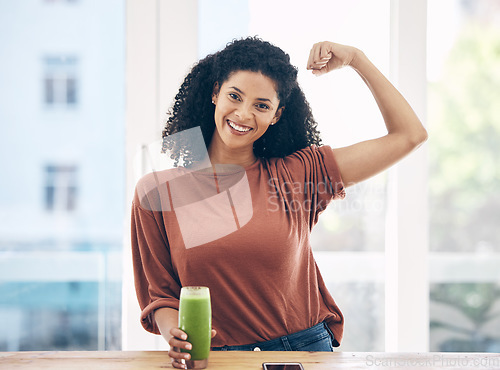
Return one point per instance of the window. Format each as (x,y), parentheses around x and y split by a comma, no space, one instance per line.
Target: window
(60,188)
(464,90)
(60,81)
(348,241)
(62,200)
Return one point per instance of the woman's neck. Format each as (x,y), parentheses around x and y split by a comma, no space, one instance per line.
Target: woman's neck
(227,156)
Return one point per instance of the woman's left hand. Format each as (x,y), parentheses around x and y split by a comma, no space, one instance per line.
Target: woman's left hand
(326,56)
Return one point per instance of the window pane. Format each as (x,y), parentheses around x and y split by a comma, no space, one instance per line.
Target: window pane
(49,90)
(464,317)
(464,131)
(62,198)
(355,224)
(71,90)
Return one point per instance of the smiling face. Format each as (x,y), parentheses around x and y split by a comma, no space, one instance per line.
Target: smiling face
(245,106)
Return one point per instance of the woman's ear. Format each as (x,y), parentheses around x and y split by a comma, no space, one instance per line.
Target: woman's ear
(215,92)
(277,115)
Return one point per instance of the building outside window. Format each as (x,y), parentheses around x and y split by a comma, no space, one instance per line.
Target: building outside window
(62,169)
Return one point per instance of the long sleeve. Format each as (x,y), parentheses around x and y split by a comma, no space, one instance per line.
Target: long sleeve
(156,282)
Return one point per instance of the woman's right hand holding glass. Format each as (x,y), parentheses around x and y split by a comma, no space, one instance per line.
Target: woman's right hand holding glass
(177,342)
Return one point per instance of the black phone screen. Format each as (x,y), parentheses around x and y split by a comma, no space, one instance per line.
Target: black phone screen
(282,366)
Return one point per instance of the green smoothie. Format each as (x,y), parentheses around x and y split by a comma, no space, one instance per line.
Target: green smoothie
(195,319)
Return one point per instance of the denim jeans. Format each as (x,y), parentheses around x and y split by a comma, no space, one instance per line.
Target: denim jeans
(317,338)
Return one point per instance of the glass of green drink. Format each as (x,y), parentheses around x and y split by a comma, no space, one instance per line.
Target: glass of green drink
(195,319)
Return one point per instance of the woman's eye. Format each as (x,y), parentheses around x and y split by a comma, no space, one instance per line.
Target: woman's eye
(234,96)
(263,106)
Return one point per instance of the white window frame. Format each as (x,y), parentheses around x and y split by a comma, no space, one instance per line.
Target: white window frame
(156,53)
(407,235)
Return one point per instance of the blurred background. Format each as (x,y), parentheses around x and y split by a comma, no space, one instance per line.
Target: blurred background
(67,68)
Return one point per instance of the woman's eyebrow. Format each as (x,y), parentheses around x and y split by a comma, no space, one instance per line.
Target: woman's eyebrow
(242,93)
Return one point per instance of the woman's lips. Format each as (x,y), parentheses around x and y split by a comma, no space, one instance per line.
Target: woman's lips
(237,129)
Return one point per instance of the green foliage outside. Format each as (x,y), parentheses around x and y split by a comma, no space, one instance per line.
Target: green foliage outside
(464,116)
(464,132)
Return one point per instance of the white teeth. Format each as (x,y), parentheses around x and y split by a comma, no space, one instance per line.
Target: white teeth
(238,128)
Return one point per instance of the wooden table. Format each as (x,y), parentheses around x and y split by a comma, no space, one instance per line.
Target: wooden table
(236,360)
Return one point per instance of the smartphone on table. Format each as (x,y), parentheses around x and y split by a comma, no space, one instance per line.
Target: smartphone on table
(282,366)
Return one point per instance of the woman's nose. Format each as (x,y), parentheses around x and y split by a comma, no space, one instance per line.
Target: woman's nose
(244,112)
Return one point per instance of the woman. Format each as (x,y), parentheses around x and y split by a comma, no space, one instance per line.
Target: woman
(267,293)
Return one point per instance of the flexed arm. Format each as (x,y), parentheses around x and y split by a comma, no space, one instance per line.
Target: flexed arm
(405,132)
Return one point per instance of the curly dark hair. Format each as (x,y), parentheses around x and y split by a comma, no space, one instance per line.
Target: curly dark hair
(193,106)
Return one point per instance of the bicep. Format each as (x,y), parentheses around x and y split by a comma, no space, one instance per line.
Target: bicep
(363,160)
